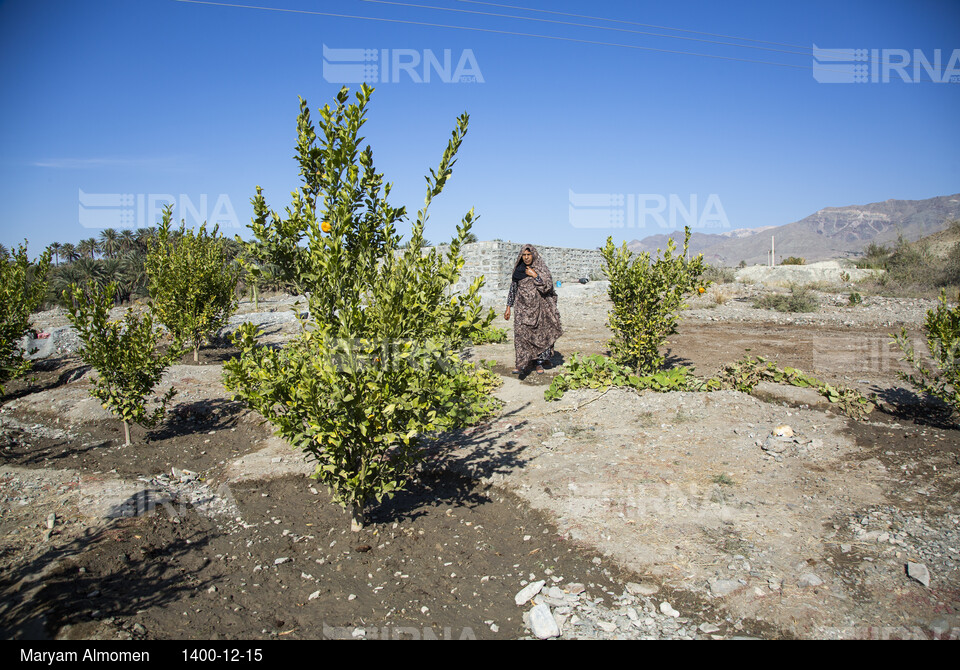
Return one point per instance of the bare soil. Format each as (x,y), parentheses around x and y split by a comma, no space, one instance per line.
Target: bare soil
(600,488)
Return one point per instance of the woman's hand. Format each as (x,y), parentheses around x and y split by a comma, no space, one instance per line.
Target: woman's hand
(531,272)
(506,314)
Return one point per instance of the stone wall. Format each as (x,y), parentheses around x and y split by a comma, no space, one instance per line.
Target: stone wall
(495,261)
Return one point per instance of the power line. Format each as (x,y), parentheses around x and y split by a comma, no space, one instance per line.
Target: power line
(632,23)
(821,67)
(491,30)
(586,25)
(837,54)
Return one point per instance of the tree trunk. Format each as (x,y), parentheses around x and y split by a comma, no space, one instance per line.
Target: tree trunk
(196,355)
(356,517)
(126,433)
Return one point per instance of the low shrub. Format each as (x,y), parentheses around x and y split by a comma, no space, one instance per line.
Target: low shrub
(800,299)
(874,258)
(600,372)
(942,331)
(719,275)
(489,335)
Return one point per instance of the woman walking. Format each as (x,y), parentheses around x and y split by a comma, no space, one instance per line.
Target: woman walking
(536,326)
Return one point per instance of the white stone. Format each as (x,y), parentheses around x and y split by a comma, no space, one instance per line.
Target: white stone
(556,593)
(641,589)
(527,592)
(722,587)
(667,610)
(542,623)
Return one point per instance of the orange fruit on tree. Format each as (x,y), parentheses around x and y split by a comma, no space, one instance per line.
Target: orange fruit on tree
(325,226)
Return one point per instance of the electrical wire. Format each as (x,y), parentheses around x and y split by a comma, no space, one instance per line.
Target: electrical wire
(822,67)
(586,25)
(632,23)
(490,30)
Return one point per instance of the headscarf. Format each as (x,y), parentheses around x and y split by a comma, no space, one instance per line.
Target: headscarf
(520,269)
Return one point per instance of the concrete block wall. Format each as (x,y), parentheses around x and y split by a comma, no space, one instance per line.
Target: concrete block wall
(495,260)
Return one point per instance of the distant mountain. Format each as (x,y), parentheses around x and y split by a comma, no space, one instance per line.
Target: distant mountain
(832,232)
(744,232)
(698,242)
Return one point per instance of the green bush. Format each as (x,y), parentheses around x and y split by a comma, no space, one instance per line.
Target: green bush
(193,281)
(746,373)
(490,335)
(874,258)
(800,299)
(794,260)
(942,331)
(647,297)
(600,372)
(951,267)
(912,265)
(378,366)
(719,275)
(23,286)
(126,355)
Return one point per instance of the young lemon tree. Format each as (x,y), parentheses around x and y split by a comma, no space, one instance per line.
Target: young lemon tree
(23,286)
(124,353)
(193,282)
(647,297)
(942,330)
(378,364)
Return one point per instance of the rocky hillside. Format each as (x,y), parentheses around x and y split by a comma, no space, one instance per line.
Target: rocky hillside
(832,232)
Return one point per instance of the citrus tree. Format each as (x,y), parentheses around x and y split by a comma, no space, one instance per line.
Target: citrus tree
(942,331)
(125,353)
(23,286)
(378,365)
(647,295)
(192,281)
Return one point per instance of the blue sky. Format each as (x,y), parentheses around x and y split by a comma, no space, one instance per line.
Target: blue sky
(575,128)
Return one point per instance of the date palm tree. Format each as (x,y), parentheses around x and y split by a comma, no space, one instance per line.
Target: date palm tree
(88,247)
(109,242)
(69,252)
(127,240)
(144,237)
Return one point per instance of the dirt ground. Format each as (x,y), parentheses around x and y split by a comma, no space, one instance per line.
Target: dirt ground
(209,528)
